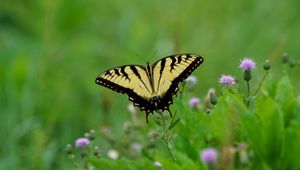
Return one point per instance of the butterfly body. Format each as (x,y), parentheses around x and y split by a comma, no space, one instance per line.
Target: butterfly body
(152,87)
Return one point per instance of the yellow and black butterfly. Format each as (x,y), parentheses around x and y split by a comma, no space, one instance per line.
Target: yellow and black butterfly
(152,87)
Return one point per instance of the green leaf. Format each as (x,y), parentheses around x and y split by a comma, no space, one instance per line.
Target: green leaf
(225,122)
(173,124)
(157,121)
(292,148)
(183,143)
(286,97)
(187,163)
(265,131)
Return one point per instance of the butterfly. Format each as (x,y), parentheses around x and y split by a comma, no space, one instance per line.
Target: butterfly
(152,87)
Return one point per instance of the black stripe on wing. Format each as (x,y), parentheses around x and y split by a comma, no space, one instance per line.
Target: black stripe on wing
(118,72)
(177,59)
(137,100)
(185,73)
(106,79)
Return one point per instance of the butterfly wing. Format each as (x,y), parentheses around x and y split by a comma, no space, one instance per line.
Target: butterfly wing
(129,79)
(170,71)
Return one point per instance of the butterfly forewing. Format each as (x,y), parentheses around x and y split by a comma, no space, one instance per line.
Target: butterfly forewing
(126,79)
(173,69)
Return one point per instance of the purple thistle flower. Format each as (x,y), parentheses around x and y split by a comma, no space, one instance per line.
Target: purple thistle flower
(82,143)
(227,80)
(194,102)
(209,155)
(247,64)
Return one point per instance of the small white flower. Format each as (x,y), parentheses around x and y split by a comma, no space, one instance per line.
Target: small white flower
(131,108)
(158,165)
(136,147)
(113,154)
(191,80)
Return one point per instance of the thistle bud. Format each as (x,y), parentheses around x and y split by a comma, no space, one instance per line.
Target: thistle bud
(292,64)
(92,134)
(87,135)
(213,98)
(267,65)
(97,151)
(69,149)
(247,75)
(285,57)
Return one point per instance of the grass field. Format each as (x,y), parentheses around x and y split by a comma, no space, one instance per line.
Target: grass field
(51,52)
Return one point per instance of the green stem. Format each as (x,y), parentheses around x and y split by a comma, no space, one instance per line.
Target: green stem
(71,158)
(248,94)
(260,83)
(85,164)
(167,136)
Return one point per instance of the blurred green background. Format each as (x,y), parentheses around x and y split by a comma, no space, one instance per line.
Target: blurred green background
(51,52)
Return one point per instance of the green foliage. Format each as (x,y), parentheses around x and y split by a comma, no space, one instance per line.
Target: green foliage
(122,163)
(51,51)
(272,142)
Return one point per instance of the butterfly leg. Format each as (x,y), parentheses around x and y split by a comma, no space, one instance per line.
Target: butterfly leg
(170,113)
(147,113)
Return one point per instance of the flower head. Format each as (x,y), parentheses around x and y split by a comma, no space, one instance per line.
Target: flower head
(82,143)
(194,102)
(227,80)
(191,80)
(113,154)
(132,111)
(247,64)
(209,155)
(136,147)
(152,135)
(131,108)
(158,164)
